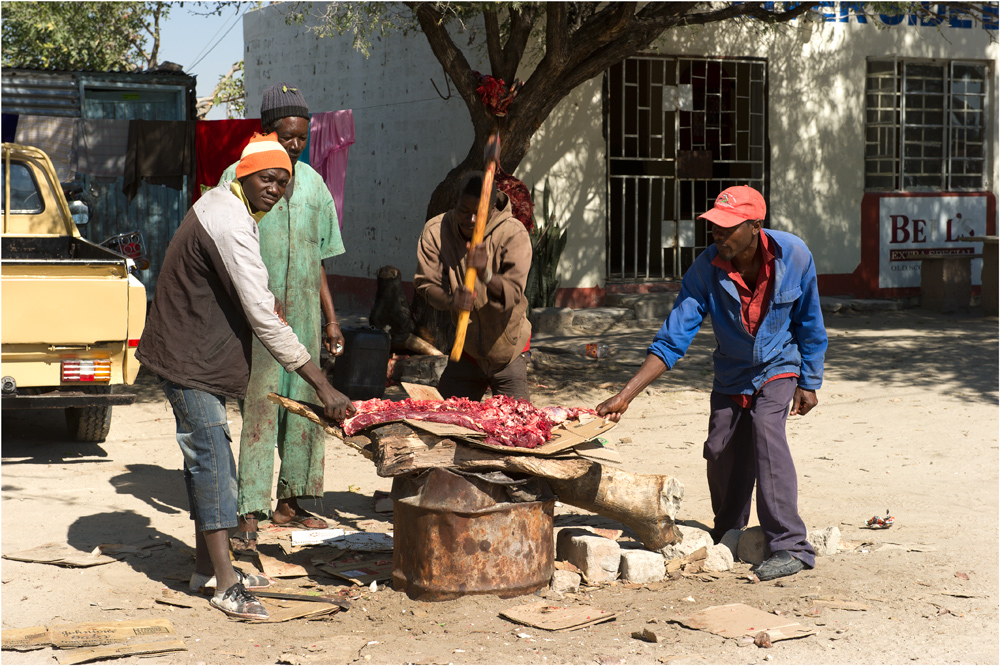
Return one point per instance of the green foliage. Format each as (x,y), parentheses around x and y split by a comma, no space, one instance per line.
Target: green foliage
(230,91)
(367,20)
(547,244)
(108,36)
(374,20)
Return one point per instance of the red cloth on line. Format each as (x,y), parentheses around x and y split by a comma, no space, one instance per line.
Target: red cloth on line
(219,143)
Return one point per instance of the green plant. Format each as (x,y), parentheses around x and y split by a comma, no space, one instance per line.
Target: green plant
(547,244)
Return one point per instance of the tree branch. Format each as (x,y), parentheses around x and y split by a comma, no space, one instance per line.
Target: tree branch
(521,23)
(556,32)
(493,41)
(452,59)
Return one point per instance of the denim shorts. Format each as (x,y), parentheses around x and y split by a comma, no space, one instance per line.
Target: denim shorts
(209,466)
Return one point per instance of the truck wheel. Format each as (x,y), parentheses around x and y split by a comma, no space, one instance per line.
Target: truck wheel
(90,424)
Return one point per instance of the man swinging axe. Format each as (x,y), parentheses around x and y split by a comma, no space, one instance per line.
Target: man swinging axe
(480,237)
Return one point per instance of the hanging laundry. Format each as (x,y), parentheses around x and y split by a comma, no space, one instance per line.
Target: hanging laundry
(160,152)
(8,127)
(102,148)
(56,136)
(330,137)
(219,143)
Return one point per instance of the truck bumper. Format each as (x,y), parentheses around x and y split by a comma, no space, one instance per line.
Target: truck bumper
(63,399)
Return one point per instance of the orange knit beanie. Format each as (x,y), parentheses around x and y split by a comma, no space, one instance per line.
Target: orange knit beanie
(263,152)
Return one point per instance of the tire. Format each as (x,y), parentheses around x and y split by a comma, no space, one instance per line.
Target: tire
(89,424)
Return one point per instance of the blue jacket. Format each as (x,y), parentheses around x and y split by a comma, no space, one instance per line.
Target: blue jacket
(791,338)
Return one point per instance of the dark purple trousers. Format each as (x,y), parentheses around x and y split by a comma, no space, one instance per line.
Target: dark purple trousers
(749,445)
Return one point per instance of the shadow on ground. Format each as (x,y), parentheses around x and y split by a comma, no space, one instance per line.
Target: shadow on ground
(900,350)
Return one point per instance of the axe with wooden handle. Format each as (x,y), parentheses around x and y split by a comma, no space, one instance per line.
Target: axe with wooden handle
(482,214)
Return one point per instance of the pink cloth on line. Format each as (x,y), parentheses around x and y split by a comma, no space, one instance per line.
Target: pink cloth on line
(330,137)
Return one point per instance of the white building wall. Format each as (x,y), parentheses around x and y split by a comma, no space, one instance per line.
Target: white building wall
(816,114)
(409,138)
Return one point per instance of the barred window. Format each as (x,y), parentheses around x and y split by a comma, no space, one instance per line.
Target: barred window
(925,126)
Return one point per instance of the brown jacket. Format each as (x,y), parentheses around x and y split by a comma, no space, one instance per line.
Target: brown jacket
(211,298)
(498,329)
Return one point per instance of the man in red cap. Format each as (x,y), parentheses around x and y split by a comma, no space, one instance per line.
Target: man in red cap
(760,290)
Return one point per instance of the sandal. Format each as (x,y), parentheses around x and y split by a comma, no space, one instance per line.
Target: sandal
(237,602)
(304,520)
(243,542)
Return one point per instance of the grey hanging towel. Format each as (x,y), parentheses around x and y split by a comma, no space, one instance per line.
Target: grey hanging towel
(160,152)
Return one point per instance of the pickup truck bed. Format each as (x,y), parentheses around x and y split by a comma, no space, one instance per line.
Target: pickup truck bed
(62,249)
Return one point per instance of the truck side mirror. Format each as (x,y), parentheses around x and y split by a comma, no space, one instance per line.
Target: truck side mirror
(80,212)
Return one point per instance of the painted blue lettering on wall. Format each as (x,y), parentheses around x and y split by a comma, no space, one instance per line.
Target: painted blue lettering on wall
(934,14)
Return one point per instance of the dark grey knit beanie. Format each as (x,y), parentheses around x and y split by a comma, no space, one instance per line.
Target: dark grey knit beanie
(282,101)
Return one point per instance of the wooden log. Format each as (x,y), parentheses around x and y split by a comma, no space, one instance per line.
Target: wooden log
(646,503)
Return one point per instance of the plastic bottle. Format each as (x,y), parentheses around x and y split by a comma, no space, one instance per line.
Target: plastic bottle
(593,349)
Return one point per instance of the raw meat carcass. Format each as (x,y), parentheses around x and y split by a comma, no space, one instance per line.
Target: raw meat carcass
(506,421)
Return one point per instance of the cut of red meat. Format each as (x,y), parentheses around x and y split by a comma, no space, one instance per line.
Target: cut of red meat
(505,421)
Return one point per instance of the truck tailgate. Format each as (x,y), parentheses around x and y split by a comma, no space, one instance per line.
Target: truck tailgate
(64,304)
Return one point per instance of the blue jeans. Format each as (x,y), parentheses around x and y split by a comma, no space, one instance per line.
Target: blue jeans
(209,466)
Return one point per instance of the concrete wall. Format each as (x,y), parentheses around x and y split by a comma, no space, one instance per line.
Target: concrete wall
(408,137)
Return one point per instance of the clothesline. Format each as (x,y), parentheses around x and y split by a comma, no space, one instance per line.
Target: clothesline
(164,152)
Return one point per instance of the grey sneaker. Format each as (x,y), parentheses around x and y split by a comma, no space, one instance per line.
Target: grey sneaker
(250,581)
(237,602)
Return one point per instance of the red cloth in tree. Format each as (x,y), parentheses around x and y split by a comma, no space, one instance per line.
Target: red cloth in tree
(494,93)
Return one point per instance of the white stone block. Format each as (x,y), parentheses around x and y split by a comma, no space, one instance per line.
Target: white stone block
(597,557)
(720,558)
(692,538)
(565,582)
(642,566)
(826,541)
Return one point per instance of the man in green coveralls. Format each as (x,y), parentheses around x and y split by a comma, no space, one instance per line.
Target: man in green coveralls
(295,237)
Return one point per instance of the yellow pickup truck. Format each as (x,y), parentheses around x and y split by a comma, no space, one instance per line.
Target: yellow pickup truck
(72,312)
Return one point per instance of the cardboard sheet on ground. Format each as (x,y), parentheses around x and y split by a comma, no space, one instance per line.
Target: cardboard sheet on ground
(359,570)
(735,620)
(282,610)
(62,555)
(84,634)
(372,542)
(83,655)
(276,564)
(544,615)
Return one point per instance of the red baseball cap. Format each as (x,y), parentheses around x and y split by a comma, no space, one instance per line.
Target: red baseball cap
(735,205)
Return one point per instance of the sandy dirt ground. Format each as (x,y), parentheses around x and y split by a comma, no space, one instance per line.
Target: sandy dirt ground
(907,421)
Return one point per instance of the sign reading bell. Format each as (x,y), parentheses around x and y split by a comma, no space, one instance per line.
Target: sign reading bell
(914,227)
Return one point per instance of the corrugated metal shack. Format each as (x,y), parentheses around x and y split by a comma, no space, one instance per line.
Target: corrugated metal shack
(163,94)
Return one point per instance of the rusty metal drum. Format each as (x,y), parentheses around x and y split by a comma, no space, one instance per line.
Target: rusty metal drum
(453,537)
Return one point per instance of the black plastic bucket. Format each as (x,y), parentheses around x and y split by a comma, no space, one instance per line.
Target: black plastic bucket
(360,372)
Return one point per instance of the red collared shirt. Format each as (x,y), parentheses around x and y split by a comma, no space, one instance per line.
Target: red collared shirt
(753,304)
